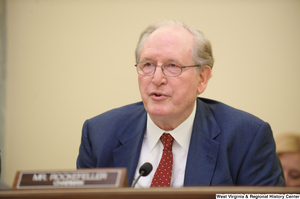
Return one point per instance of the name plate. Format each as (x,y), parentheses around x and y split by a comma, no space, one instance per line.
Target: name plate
(81,178)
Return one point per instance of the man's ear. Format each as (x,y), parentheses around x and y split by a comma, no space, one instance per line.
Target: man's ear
(204,75)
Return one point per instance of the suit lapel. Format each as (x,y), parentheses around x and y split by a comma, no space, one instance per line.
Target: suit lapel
(131,139)
(203,151)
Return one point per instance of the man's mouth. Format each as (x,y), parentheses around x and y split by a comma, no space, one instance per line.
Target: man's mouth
(158,95)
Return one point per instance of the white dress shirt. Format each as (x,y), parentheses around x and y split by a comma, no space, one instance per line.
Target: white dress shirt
(152,150)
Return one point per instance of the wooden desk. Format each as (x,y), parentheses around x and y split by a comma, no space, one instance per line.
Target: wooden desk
(151,193)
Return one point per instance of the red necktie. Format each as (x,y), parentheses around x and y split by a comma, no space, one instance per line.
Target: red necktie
(163,174)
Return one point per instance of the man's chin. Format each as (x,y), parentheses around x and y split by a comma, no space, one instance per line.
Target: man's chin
(158,111)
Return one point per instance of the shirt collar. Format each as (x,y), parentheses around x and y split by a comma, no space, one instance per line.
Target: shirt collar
(181,134)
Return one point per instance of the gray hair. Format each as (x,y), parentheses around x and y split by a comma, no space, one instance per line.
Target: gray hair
(202,52)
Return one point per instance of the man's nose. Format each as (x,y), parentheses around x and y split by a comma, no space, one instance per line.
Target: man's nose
(159,77)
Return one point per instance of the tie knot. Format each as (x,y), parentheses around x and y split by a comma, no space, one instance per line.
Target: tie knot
(167,140)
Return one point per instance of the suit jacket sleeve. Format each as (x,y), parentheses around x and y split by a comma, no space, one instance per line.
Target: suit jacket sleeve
(84,159)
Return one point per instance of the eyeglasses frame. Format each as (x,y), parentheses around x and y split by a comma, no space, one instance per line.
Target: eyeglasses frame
(197,65)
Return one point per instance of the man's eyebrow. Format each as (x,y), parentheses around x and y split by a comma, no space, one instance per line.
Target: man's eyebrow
(172,60)
(146,59)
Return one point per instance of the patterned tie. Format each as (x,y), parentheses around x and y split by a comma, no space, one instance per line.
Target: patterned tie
(163,174)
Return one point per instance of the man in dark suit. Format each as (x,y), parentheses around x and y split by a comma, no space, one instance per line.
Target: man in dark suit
(190,141)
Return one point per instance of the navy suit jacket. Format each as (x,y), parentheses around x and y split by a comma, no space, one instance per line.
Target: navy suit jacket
(228,146)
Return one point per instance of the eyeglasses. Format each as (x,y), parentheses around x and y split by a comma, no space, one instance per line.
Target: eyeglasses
(170,69)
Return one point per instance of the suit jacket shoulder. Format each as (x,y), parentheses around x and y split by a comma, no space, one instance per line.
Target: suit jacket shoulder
(231,147)
(113,139)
